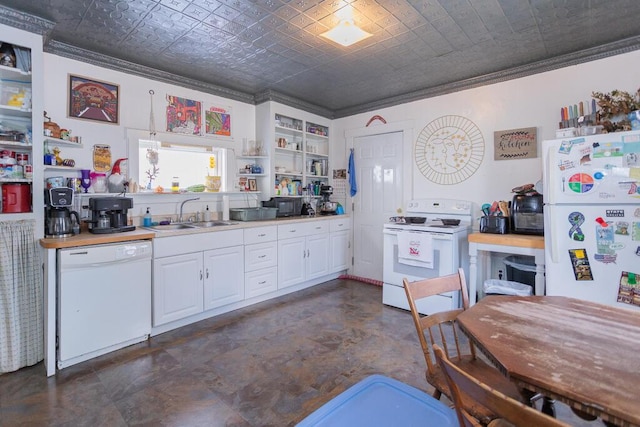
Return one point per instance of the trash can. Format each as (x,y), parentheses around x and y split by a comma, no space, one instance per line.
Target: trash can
(506,287)
(521,268)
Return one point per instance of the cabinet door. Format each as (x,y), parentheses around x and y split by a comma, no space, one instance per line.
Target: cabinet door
(317,256)
(291,261)
(223,276)
(339,251)
(177,287)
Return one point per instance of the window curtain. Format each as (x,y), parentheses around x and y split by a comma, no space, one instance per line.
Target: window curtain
(21,297)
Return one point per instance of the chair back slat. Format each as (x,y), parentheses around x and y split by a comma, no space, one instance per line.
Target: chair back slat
(439,327)
(464,388)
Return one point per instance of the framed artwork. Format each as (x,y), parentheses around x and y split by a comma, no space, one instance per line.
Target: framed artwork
(184,115)
(91,99)
(218,121)
(253,185)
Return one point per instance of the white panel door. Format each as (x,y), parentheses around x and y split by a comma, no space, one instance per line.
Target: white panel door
(291,261)
(177,287)
(223,276)
(378,160)
(317,256)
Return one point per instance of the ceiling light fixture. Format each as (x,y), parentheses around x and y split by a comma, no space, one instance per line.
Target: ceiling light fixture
(346,33)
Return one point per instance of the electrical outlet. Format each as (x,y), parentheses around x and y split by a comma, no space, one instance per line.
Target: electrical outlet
(500,274)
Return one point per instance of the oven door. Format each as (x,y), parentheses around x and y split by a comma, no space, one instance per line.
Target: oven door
(445,261)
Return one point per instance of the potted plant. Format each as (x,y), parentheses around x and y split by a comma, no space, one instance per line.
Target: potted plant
(614,108)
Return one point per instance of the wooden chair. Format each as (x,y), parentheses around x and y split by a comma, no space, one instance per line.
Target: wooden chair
(464,387)
(441,329)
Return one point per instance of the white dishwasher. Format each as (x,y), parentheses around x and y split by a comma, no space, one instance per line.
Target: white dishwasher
(104,299)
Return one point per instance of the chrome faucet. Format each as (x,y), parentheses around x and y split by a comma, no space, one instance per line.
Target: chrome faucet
(182,205)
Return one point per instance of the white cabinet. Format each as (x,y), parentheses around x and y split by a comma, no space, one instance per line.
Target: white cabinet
(260,260)
(223,276)
(196,272)
(303,252)
(177,287)
(21,117)
(299,147)
(340,244)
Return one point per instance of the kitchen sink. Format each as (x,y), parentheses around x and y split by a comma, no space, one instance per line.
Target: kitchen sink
(171,227)
(207,224)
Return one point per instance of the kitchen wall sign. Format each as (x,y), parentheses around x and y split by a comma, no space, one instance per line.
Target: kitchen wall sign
(184,115)
(449,150)
(515,144)
(90,99)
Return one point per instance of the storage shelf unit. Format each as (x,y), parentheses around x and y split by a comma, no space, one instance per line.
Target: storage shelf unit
(26,118)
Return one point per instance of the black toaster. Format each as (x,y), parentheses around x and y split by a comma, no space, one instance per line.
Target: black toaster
(526,214)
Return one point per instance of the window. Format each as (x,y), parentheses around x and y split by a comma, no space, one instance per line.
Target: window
(160,162)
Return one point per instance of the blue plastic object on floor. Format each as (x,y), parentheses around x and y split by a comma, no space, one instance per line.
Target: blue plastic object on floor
(381,401)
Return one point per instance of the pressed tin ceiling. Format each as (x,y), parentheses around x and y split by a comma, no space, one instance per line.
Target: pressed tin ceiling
(258,50)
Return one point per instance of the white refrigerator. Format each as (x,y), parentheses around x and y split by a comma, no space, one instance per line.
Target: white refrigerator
(592,218)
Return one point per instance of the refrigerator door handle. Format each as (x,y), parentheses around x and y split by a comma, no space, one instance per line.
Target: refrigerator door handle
(552,176)
(551,235)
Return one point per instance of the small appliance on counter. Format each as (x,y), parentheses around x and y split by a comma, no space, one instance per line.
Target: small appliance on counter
(307,209)
(287,206)
(109,215)
(326,206)
(526,214)
(57,215)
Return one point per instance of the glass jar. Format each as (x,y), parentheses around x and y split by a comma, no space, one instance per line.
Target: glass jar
(175,184)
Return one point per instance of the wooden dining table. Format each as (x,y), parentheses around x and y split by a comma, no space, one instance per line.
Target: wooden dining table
(584,354)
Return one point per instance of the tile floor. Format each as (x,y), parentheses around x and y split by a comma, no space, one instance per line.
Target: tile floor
(267,365)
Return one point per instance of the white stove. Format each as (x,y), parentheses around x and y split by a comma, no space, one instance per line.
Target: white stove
(442,250)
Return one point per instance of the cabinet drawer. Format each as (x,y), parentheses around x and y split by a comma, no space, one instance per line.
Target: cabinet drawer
(260,282)
(340,224)
(298,229)
(286,231)
(260,255)
(177,245)
(260,234)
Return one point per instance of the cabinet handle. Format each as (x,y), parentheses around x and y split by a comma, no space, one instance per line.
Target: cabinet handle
(292,231)
(318,228)
(207,273)
(304,253)
(200,274)
(308,255)
(262,283)
(262,256)
(261,235)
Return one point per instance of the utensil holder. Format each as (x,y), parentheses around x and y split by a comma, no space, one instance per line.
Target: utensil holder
(495,224)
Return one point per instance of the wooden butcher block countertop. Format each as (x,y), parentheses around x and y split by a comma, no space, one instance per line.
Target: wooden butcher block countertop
(519,240)
(85,238)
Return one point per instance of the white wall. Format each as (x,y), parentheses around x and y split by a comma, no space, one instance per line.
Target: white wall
(533,101)
(134,113)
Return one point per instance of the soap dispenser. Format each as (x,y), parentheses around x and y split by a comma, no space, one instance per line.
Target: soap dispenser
(146,219)
(207,214)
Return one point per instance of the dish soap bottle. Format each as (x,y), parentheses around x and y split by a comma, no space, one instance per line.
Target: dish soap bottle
(207,214)
(146,219)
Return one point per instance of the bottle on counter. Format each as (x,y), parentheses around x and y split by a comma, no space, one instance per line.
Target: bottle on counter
(207,215)
(146,219)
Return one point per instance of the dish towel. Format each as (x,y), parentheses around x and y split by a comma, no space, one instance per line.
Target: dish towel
(352,175)
(415,249)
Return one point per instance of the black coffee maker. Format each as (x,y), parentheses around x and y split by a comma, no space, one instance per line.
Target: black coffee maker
(109,215)
(58,220)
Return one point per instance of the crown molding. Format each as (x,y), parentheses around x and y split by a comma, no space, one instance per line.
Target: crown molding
(271,95)
(90,57)
(25,21)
